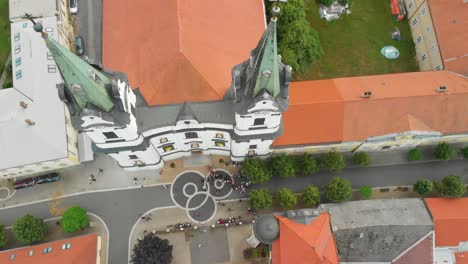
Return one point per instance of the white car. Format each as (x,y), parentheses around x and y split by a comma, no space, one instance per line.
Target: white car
(73,6)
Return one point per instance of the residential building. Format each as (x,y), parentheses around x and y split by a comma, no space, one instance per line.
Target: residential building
(373,113)
(81,249)
(439,33)
(35,125)
(451,232)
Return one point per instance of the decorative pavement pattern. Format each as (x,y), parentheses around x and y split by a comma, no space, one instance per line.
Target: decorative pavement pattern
(191,191)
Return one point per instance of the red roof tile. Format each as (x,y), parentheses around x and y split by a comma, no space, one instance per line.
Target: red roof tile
(421,253)
(180,50)
(313,243)
(83,250)
(450,220)
(333,110)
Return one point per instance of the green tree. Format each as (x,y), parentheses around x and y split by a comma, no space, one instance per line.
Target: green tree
(256,170)
(366,192)
(451,186)
(306,164)
(311,196)
(338,190)
(444,151)
(260,198)
(287,198)
(423,186)
(29,229)
(300,45)
(74,218)
(284,166)
(152,250)
(415,154)
(361,159)
(326,2)
(333,161)
(291,11)
(464,152)
(3,237)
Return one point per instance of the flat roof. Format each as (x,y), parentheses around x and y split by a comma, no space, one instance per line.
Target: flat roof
(36,8)
(35,76)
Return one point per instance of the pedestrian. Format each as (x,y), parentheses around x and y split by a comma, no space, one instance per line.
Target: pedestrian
(229,209)
(165,186)
(90,182)
(240,200)
(142,186)
(93,179)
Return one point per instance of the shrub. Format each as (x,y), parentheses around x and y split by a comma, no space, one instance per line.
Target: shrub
(260,198)
(287,198)
(306,164)
(152,250)
(338,190)
(464,152)
(361,159)
(74,218)
(29,229)
(444,151)
(256,170)
(451,186)
(311,196)
(326,2)
(333,161)
(284,166)
(3,237)
(423,186)
(366,192)
(415,154)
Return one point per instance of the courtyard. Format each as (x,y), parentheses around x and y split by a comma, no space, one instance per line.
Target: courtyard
(352,43)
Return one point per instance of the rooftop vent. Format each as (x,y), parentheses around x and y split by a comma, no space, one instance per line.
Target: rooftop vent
(366,94)
(23,104)
(441,89)
(30,122)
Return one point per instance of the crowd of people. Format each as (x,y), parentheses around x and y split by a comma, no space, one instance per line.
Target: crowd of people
(237,182)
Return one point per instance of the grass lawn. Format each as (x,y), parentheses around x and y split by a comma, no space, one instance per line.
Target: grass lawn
(352,44)
(4,33)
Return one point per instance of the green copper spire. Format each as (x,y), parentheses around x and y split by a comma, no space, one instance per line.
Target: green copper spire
(264,68)
(84,83)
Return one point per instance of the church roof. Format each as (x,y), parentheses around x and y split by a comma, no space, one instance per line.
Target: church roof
(181,50)
(336,111)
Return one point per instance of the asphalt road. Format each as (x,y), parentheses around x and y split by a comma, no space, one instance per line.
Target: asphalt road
(120,209)
(90,28)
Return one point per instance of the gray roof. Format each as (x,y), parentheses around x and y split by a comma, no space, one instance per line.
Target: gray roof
(36,8)
(266,229)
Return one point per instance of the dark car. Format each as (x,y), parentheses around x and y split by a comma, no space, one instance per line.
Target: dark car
(73,6)
(47,178)
(24,183)
(79,42)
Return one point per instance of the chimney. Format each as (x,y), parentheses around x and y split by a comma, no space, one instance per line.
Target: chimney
(441,89)
(366,94)
(23,104)
(30,122)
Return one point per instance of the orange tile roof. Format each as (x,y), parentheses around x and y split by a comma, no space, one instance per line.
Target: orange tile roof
(83,250)
(180,50)
(450,19)
(450,220)
(332,110)
(313,243)
(461,257)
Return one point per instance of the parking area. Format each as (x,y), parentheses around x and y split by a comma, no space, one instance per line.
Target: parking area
(89,27)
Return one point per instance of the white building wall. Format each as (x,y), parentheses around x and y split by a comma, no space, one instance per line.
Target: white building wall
(150,158)
(257,147)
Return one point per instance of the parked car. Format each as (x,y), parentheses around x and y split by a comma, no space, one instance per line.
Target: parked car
(79,42)
(24,183)
(47,178)
(73,6)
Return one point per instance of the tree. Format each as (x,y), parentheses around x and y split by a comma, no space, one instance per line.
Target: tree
(451,186)
(284,166)
(366,192)
(260,198)
(423,186)
(287,198)
(152,250)
(299,45)
(464,152)
(326,2)
(256,170)
(3,237)
(311,196)
(306,164)
(444,151)
(361,159)
(29,229)
(338,190)
(333,161)
(291,11)
(415,154)
(74,218)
